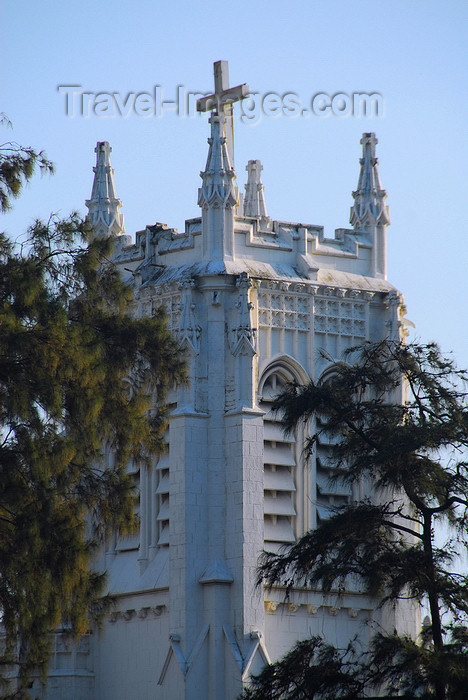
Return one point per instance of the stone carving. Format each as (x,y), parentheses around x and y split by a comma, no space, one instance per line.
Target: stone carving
(340,317)
(288,311)
(158,610)
(171,302)
(189,331)
(244,336)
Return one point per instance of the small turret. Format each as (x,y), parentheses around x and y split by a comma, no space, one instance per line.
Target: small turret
(218,195)
(104,207)
(369,213)
(218,186)
(369,207)
(254,200)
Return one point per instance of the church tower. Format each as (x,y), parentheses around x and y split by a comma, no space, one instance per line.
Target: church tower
(255,303)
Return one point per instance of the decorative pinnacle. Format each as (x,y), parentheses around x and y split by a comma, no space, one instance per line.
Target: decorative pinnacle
(254,200)
(218,186)
(104,207)
(369,199)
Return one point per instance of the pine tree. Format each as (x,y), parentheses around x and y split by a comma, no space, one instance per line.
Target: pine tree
(413,454)
(78,374)
(17,165)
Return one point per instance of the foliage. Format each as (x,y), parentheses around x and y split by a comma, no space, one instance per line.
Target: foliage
(17,165)
(312,669)
(78,374)
(411,454)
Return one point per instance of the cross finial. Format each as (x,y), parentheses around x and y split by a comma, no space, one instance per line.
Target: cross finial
(221,101)
(368,142)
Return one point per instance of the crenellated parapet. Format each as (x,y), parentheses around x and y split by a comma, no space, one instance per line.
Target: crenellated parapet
(222,237)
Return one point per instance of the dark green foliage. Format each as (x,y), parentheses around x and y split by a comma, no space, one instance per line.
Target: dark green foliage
(78,373)
(413,669)
(17,165)
(399,417)
(312,669)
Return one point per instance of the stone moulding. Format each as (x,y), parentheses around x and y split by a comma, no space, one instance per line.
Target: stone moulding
(283,607)
(140,613)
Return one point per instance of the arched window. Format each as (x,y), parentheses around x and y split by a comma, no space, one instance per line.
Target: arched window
(283,462)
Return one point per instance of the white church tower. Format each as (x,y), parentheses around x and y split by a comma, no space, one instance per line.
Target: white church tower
(255,303)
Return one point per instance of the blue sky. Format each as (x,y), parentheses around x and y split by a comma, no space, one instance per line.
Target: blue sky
(414,53)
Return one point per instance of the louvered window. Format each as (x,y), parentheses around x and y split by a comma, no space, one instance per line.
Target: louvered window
(162,497)
(331,492)
(279,464)
(132,541)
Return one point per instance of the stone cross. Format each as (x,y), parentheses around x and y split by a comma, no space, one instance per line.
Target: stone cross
(221,101)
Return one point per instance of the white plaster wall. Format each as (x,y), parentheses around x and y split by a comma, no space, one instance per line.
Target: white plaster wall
(283,628)
(129,657)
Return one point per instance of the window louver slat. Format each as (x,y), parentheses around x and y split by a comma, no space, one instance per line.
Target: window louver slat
(278,505)
(163,511)
(281,455)
(280,479)
(163,486)
(279,530)
(164,536)
(274,431)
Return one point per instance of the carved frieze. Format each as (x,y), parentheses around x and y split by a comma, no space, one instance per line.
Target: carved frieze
(343,316)
(288,310)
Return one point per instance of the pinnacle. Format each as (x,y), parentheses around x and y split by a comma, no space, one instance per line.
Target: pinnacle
(369,198)
(104,206)
(254,201)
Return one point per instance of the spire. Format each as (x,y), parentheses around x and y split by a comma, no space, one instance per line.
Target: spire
(104,207)
(369,207)
(254,200)
(218,186)
(218,196)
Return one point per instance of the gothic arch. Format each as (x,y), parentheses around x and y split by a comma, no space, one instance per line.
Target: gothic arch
(284,366)
(286,470)
(330,371)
